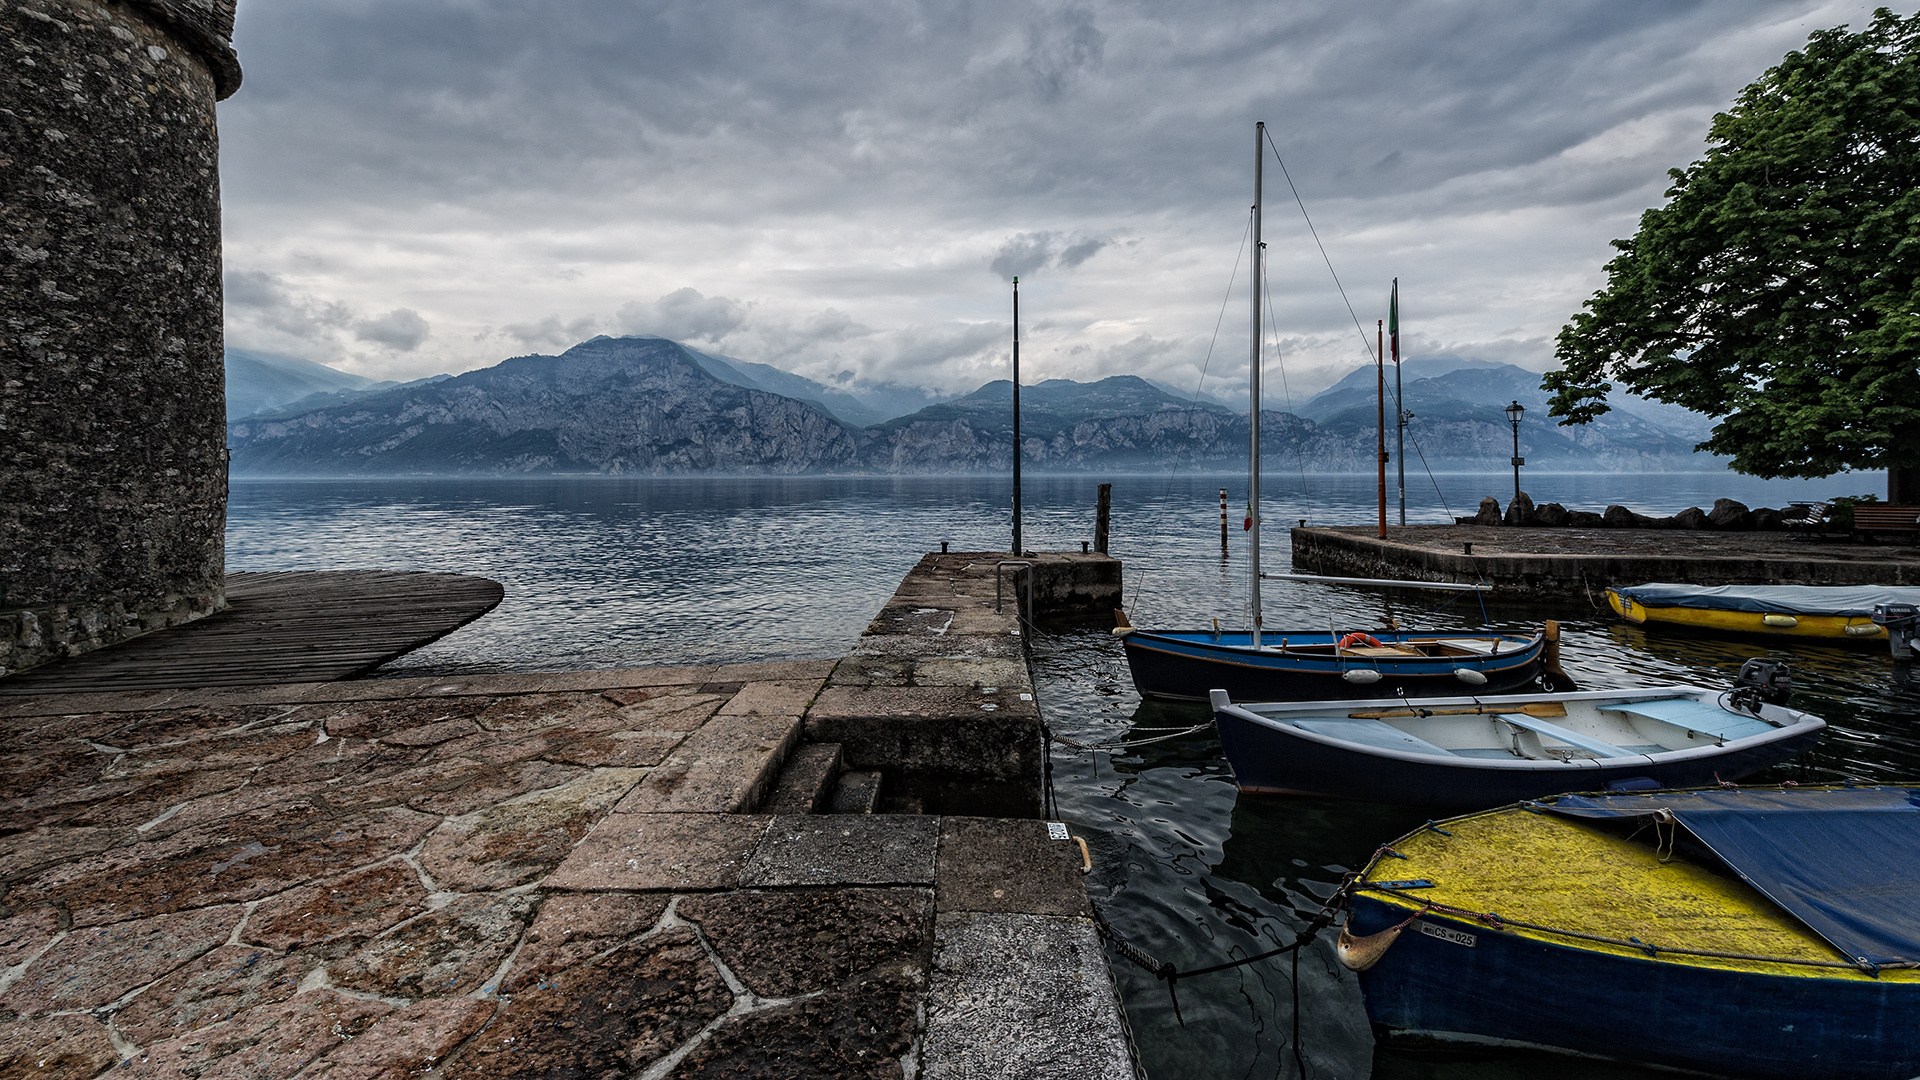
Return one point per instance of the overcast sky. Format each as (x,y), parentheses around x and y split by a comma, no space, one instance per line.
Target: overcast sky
(843,189)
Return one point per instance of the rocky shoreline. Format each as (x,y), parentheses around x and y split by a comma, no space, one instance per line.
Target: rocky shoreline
(1727,515)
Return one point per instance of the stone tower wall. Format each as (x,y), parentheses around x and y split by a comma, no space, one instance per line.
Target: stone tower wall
(112,435)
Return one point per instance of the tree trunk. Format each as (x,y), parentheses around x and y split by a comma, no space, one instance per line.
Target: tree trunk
(1903,485)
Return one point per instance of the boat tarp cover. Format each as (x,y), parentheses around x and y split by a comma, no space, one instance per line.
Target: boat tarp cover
(1846,862)
(1850,600)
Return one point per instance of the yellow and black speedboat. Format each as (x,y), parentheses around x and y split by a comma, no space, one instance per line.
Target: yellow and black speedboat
(1763,932)
(1834,612)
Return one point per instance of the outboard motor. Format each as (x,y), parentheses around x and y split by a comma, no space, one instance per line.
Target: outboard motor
(1903,627)
(1760,682)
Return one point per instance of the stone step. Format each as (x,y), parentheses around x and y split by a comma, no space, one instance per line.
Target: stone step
(807,781)
(858,792)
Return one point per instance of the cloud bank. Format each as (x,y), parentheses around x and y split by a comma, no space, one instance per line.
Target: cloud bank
(845,190)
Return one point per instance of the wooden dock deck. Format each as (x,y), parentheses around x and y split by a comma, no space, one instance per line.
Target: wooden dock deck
(1559,563)
(285,627)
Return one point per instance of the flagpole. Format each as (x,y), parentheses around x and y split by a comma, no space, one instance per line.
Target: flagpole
(1399,401)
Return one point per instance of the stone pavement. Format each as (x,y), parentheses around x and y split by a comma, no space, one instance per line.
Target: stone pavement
(556,875)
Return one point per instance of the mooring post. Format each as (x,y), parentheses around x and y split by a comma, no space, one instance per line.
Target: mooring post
(1223,523)
(1100,517)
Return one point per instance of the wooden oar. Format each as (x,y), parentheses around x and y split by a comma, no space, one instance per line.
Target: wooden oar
(1531,708)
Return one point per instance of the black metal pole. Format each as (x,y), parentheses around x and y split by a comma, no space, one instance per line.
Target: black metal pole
(1017,548)
(1516,459)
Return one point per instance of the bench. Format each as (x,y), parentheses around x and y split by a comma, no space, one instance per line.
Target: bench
(1871,518)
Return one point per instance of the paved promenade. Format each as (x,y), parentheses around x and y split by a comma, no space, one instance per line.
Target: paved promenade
(591,874)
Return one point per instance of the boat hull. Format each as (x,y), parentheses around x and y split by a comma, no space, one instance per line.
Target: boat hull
(1188,667)
(1279,759)
(1514,991)
(1857,628)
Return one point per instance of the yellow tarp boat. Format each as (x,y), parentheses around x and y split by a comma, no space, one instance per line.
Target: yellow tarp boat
(1528,927)
(1842,612)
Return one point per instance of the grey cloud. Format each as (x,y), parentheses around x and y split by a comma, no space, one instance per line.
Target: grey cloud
(684,315)
(265,300)
(1060,46)
(401,328)
(1029,253)
(552,333)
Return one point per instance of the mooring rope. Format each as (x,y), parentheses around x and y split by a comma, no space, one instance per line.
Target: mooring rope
(1194,730)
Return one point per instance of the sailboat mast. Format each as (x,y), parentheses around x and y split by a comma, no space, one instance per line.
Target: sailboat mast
(1017,548)
(1380,389)
(1399,402)
(1253,391)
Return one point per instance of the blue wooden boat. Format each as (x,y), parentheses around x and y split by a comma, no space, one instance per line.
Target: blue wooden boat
(1264,665)
(1766,933)
(1466,753)
(1186,665)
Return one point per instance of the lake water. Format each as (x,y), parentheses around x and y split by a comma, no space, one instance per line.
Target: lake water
(603,572)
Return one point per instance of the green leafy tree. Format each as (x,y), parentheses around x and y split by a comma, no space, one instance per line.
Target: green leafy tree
(1778,290)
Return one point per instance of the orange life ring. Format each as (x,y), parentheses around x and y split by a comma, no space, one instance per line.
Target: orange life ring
(1358,638)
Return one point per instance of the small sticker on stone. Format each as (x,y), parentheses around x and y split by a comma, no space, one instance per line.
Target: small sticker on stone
(1056,830)
(1026,697)
(989,689)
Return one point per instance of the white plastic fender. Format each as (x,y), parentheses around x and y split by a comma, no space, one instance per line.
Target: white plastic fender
(1363,676)
(1469,676)
(1780,620)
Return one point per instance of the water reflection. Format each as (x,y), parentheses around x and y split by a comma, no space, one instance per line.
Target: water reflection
(610,572)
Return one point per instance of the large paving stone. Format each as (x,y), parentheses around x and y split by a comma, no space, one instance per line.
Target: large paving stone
(523,713)
(574,928)
(95,965)
(144,731)
(247,750)
(444,953)
(490,787)
(431,734)
(781,944)
(851,849)
(54,1048)
(959,671)
(268,1042)
(949,731)
(146,800)
(609,1018)
(625,677)
(1009,865)
(618,749)
(242,858)
(863,1033)
(24,853)
(23,935)
(216,987)
(773,671)
(412,1040)
(416,782)
(1025,997)
(24,775)
(350,908)
(726,767)
(788,697)
(519,840)
(652,852)
(373,719)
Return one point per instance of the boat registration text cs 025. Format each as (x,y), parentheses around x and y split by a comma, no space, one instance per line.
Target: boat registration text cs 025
(1458,937)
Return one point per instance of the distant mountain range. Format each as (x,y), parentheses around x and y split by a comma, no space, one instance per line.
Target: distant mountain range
(649,406)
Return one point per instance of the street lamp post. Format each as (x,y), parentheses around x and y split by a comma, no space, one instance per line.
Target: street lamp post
(1514,412)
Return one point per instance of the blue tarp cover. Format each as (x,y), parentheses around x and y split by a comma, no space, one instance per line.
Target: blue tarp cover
(1852,600)
(1846,862)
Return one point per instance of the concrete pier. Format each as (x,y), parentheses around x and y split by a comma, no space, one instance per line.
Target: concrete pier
(581,874)
(1565,563)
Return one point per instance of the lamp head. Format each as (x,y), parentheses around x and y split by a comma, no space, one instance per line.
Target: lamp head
(1515,411)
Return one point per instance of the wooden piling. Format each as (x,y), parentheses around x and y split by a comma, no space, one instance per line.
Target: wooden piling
(1101,514)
